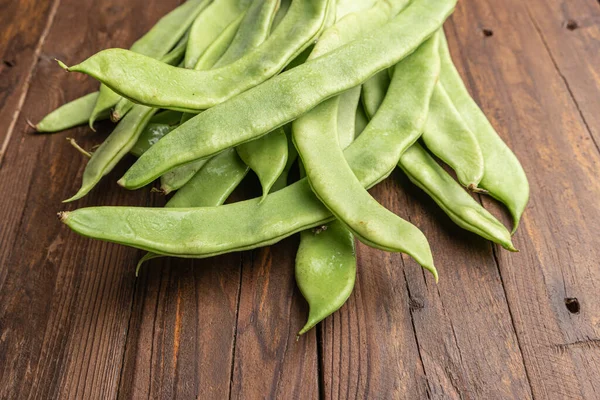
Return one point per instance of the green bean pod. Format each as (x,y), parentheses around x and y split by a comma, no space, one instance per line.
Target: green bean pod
(334,183)
(346,116)
(503,176)
(151,134)
(467,213)
(157,42)
(216,49)
(110,152)
(210,187)
(253,31)
(173,57)
(267,157)
(204,89)
(177,177)
(447,136)
(290,94)
(374,91)
(209,25)
(292,156)
(325,270)
(360,120)
(69,115)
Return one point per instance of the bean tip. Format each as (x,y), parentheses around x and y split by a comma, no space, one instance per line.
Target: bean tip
(473,188)
(62,65)
(63,215)
(115,116)
(121,182)
(32,125)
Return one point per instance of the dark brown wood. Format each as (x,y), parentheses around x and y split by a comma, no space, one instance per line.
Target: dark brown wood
(513,76)
(76,323)
(24,28)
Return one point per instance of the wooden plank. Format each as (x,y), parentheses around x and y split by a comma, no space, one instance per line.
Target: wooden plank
(24,28)
(65,301)
(182,329)
(270,361)
(570,31)
(513,77)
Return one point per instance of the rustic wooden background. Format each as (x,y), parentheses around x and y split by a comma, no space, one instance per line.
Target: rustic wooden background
(75,323)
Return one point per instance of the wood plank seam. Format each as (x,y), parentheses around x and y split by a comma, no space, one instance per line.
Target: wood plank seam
(320,360)
(411,310)
(27,83)
(563,78)
(237,316)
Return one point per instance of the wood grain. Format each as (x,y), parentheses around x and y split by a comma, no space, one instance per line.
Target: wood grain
(513,76)
(24,27)
(76,323)
(64,300)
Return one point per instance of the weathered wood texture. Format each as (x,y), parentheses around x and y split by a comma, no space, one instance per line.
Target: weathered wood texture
(76,323)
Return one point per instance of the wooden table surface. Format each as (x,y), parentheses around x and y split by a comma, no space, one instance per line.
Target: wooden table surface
(75,323)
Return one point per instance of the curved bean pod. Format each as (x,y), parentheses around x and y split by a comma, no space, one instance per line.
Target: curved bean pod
(157,42)
(504,177)
(173,57)
(267,157)
(335,185)
(151,134)
(204,89)
(374,91)
(282,181)
(325,271)
(69,115)
(209,25)
(346,7)
(290,94)
(467,213)
(110,152)
(447,136)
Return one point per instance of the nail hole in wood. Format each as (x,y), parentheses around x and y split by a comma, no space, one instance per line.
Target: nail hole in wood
(9,64)
(488,32)
(572,305)
(571,25)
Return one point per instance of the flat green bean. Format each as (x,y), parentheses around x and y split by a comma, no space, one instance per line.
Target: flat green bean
(173,57)
(467,213)
(447,136)
(210,187)
(334,183)
(157,42)
(282,181)
(209,25)
(284,6)
(374,92)
(325,271)
(151,134)
(69,115)
(503,176)
(326,260)
(253,31)
(110,152)
(250,30)
(177,177)
(267,157)
(346,116)
(205,89)
(290,94)
(345,7)
(360,120)
(215,51)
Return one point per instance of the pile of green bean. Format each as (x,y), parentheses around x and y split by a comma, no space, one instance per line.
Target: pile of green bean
(343,90)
